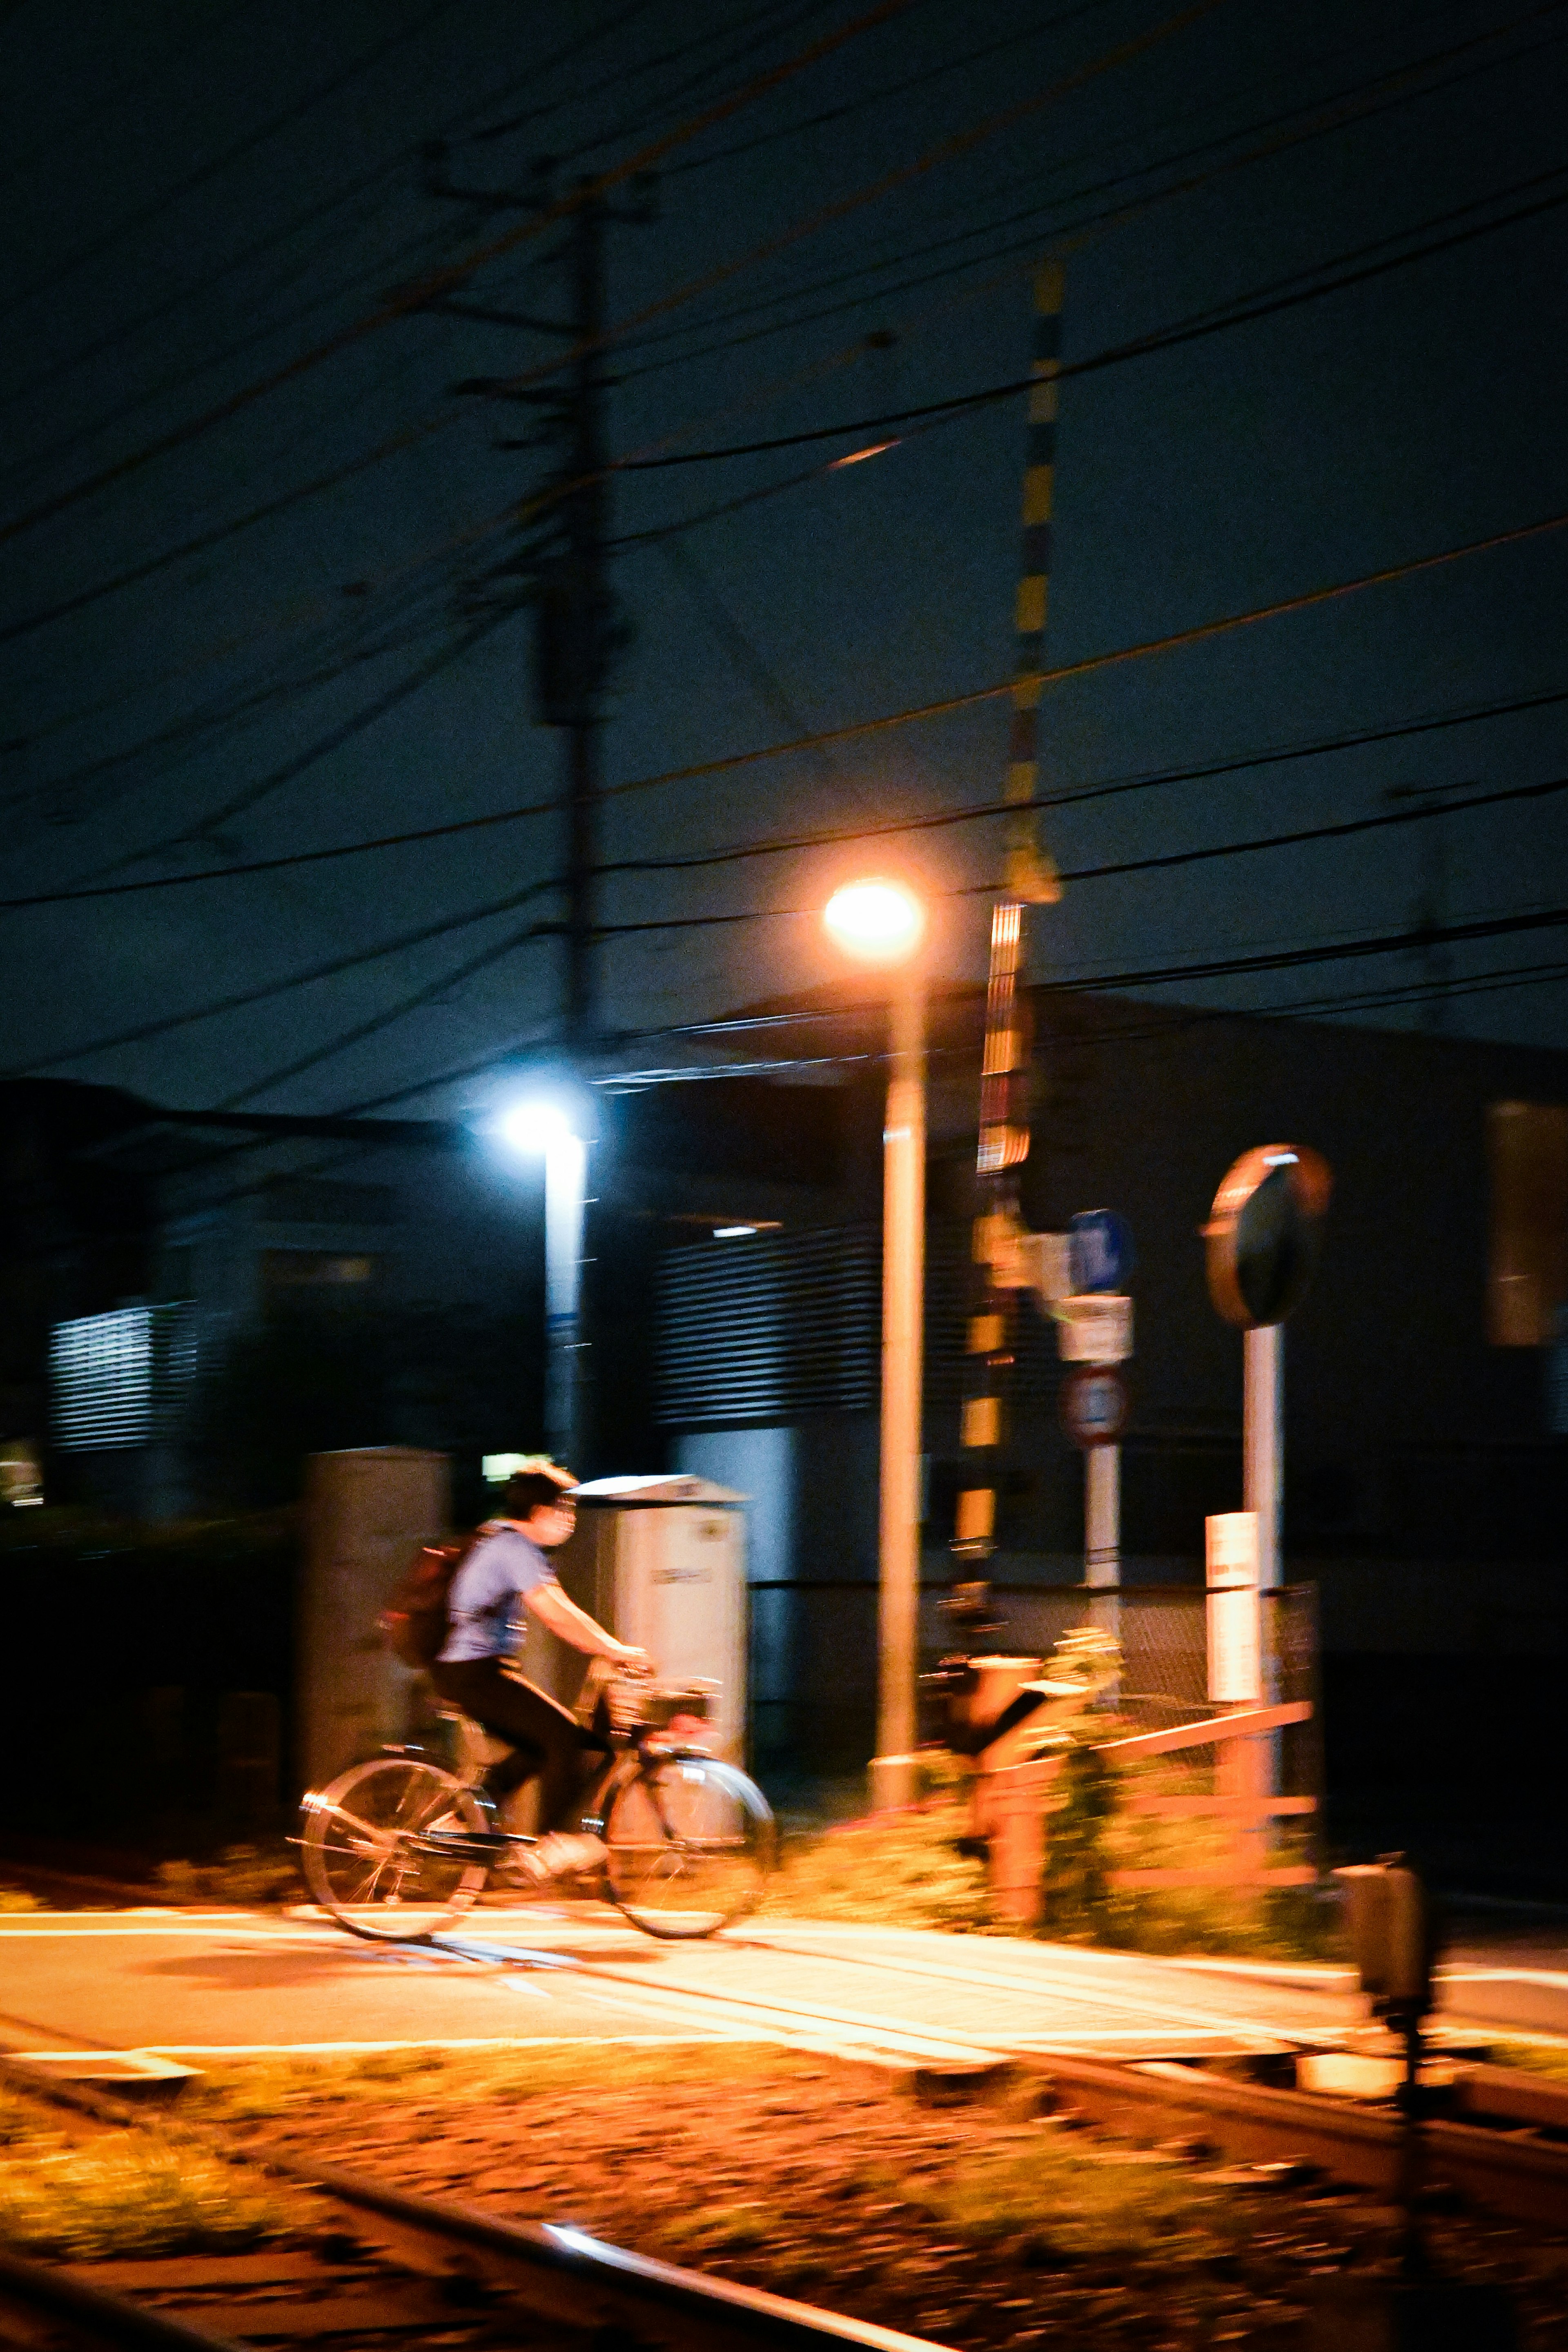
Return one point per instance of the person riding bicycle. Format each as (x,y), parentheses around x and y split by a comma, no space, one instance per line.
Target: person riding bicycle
(505,1573)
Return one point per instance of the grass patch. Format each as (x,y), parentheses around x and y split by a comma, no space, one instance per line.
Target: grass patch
(256,2089)
(1068,2202)
(133,2193)
(901,1872)
(905,1870)
(1051,2199)
(737,2229)
(1549,2058)
(237,1874)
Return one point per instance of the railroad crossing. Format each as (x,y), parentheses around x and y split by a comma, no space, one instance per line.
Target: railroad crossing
(182,1983)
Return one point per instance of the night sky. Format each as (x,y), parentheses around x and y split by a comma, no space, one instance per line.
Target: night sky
(197,195)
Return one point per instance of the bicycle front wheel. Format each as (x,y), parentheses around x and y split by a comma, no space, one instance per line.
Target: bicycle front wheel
(366,1854)
(692,1843)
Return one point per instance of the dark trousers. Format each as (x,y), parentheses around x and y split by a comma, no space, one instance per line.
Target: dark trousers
(547,1741)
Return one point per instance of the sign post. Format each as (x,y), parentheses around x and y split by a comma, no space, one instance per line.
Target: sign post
(1095,1333)
(1263,1444)
(1262,1245)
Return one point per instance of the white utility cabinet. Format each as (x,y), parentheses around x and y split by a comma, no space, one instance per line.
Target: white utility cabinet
(660,1562)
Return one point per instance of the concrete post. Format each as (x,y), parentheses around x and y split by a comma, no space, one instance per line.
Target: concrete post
(366,1513)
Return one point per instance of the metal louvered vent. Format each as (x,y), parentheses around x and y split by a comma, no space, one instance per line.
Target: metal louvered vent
(120,1380)
(768,1329)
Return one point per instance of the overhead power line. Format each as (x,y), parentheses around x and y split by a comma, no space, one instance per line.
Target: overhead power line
(1350,108)
(144,1033)
(946,150)
(432,992)
(50,279)
(491,131)
(1341,951)
(374,178)
(1411,812)
(407,299)
(937,72)
(1207,324)
(1241,312)
(761,27)
(119,97)
(1202,632)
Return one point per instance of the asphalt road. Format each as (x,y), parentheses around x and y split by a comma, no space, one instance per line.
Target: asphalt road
(189,1982)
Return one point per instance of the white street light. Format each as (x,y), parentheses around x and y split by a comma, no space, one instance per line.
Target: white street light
(543,1126)
(532,1124)
(883,922)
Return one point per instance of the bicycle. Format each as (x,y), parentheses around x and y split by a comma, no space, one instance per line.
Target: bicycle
(398,1848)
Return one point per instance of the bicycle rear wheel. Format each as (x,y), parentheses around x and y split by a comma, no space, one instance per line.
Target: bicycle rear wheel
(364,1856)
(692,1843)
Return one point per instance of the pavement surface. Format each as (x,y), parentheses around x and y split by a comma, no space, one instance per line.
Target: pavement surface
(185,1982)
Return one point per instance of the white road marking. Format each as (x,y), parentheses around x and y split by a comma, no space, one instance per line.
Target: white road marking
(423,2042)
(1058,1988)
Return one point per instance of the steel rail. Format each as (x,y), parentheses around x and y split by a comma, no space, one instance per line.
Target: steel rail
(705,2310)
(99,2312)
(553,2272)
(1527,2178)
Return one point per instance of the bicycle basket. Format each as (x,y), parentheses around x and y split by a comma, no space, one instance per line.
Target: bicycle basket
(637,1705)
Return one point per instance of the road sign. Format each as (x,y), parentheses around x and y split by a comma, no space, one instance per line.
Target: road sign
(1094,1327)
(1094,1404)
(1101,1247)
(1262,1233)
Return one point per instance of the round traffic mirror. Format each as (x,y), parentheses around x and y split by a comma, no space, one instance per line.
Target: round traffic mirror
(1262,1233)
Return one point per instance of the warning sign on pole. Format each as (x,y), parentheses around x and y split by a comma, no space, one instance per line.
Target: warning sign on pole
(1235,1627)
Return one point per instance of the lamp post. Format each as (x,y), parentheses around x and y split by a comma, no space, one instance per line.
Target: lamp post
(881,922)
(541,1126)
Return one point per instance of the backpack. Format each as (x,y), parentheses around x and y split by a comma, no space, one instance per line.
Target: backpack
(417,1620)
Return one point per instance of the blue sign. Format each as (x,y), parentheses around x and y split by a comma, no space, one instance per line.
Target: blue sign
(1101,1249)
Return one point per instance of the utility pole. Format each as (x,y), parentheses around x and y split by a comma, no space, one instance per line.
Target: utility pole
(562,564)
(1430,911)
(586,515)
(560,568)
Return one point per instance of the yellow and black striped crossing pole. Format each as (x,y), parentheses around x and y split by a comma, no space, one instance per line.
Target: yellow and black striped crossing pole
(1031,880)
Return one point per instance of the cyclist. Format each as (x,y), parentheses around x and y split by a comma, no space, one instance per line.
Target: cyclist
(505,1573)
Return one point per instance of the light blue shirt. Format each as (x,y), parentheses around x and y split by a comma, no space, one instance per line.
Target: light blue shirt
(485,1605)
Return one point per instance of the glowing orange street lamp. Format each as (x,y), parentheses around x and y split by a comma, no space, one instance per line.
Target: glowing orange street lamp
(879,921)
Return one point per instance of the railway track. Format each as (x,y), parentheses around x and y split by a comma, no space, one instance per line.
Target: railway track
(1504,2145)
(372,2263)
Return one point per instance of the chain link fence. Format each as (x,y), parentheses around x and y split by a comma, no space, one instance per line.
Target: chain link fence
(813,1662)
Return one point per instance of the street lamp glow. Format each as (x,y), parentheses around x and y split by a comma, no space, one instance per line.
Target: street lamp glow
(877,920)
(533,1125)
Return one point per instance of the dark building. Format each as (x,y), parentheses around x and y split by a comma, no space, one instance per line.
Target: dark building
(733,1291)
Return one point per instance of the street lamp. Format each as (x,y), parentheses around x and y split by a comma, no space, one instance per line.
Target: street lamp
(542,1126)
(880,922)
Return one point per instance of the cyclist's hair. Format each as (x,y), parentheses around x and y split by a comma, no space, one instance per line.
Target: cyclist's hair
(526,1491)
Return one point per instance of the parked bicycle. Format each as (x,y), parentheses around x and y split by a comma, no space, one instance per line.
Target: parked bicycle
(399,1848)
